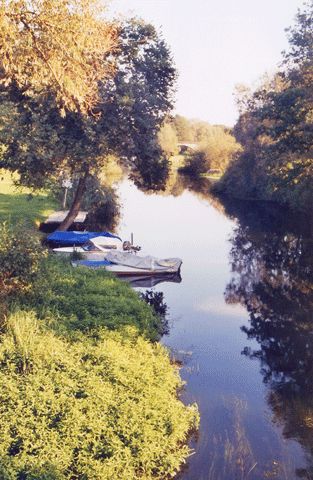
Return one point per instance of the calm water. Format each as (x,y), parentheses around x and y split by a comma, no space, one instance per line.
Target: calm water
(241,322)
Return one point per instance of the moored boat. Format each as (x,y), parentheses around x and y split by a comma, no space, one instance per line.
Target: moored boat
(94,249)
(70,239)
(86,244)
(127,264)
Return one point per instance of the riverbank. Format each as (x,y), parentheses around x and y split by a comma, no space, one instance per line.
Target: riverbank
(19,204)
(85,388)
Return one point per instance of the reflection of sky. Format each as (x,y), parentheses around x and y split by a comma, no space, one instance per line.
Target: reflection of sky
(202,323)
(217,45)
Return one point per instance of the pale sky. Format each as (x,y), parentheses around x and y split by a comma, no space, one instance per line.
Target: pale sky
(217,44)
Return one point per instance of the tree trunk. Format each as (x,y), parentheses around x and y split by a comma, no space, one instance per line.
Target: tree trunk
(75,207)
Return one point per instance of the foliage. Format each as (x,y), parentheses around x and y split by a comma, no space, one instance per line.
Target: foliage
(216,150)
(215,145)
(56,47)
(20,257)
(276,129)
(184,129)
(88,408)
(84,299)
(138,99)
(168,140)
(43,144)
(104,215)
(195,164)
(219,147)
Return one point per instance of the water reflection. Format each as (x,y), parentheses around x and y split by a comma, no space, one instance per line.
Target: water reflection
(270,293)
(272,272)
(157,302)
(150,281)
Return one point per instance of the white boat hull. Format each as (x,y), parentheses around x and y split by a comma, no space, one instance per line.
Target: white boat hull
(123,270)
(86,255)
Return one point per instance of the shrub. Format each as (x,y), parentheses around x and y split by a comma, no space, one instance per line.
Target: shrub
(20,258)
(196,164)
(89,409)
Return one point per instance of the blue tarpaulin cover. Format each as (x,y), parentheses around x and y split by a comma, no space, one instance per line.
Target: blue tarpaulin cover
(92,263)
(77,238)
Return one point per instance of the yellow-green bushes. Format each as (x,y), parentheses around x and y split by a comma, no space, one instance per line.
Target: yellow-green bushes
(86,408)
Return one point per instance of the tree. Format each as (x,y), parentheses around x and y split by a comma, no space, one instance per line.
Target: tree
(56,46)
(136,102)
(215,151)
(168,140)
(219,147)
(43,144)
(184,129)
(276,128)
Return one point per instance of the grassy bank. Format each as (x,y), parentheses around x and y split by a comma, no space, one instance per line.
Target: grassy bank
(20,204)
(79,299)
(85,391)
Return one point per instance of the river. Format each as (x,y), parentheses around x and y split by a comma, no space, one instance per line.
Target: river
(241,322)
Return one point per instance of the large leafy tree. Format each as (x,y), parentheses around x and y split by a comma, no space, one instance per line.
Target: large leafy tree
(57,46)
(44,143)
(276,128)
(137,100)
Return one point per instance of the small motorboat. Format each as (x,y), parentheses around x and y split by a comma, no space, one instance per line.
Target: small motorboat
(127,264)
(70,239)
(94,249)
(88,245)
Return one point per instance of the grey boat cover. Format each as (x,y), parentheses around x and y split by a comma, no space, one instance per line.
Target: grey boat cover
(144,263)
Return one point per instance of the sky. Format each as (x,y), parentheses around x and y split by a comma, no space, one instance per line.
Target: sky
(217,44)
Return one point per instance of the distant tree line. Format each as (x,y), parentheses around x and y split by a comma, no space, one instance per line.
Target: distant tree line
(275,128)
(213,146)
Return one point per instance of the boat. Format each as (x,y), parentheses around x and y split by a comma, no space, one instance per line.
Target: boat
(127,264)
(95,249)
(75,238)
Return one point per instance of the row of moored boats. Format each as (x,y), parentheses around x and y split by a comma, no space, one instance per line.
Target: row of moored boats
(106,250)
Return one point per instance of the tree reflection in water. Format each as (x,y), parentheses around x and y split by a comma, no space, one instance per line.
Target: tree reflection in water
(273,278)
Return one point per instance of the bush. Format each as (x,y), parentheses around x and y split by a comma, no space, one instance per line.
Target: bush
(20,258)
(196,164)
(89,409)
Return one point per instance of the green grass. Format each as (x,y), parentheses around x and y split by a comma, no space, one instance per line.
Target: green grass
(19,204)
(83,299)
